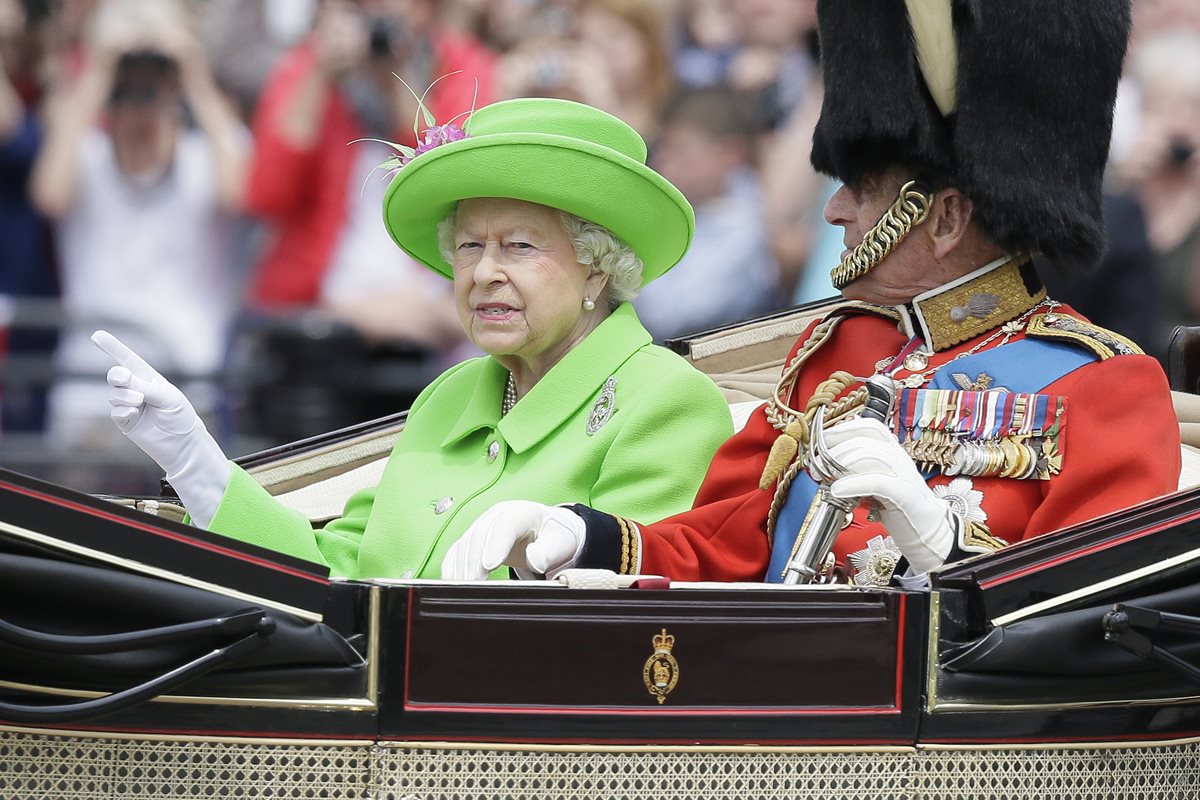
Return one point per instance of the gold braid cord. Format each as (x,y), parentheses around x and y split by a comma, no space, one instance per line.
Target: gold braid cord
(835,409)
(630,546)
(792,423)
(788,452)
(910,210)
(792,444)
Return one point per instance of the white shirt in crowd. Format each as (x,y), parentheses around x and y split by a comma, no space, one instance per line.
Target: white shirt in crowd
(152,263)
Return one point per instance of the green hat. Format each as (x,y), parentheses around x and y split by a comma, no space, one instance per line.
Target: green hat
(558,153)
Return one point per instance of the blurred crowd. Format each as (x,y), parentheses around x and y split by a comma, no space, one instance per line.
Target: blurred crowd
(200,177)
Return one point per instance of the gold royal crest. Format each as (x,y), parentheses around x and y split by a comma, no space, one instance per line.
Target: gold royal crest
(661,671)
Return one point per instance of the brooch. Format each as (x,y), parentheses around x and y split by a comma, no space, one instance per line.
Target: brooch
(981,383)
(604,406)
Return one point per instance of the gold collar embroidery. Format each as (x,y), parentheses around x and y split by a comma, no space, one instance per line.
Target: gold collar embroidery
(974,304)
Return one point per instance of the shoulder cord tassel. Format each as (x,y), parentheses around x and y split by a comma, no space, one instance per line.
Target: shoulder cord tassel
(784,450)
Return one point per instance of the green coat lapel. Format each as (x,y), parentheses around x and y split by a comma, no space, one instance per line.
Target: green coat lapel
(482,406)
(569,384)
(574,380)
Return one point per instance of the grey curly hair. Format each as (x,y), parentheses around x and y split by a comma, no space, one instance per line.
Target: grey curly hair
(594,245)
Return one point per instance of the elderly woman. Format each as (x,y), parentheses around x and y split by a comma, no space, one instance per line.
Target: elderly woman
(548,221)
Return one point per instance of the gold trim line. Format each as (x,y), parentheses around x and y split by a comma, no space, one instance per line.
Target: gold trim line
(159,737)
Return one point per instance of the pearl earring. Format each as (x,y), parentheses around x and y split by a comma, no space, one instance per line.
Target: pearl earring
(588,303)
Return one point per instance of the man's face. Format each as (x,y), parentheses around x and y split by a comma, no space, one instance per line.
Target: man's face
(143,100)
(856,209)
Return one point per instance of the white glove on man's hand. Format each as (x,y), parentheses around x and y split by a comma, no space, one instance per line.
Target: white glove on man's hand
(517,533)
(156,417)
(876,466)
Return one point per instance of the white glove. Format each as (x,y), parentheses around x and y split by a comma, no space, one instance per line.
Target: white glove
(520,534)
(156,417)
(876,466)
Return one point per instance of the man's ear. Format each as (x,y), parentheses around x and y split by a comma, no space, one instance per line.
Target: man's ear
(949,220)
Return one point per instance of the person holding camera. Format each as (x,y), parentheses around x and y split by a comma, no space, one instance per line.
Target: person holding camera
(313,177)
(1162,166)
(142,202)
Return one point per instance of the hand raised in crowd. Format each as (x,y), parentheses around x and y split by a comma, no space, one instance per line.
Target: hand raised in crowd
(158,418)
(183,46)
(341,38)
(12,24)
(556,70)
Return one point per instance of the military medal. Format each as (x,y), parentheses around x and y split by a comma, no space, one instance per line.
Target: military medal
(963,498)
(875,564)
(916,361)
(994,433)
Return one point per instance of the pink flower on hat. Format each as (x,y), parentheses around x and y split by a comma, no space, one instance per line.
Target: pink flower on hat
(434,135)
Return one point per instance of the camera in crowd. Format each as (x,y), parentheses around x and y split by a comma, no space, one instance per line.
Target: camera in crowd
(1180,152)
(388,36)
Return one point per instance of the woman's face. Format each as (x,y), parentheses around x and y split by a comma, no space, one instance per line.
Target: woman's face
(517,285)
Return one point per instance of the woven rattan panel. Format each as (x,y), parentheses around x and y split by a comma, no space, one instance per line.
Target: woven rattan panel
(63,767)
(69,768)
(537,775)
(1129,773)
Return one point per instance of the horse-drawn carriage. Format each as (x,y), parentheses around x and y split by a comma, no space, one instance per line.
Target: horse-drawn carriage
(141,657)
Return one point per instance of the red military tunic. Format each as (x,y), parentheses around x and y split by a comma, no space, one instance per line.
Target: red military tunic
(1120,446)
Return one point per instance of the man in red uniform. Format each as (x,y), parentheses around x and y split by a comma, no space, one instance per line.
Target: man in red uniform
(995,413)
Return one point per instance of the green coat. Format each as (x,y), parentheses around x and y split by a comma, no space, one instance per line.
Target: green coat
(646,462)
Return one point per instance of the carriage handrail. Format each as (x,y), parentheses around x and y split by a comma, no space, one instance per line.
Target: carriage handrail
(239,623)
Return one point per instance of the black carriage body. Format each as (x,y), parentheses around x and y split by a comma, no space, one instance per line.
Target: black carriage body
(398,689)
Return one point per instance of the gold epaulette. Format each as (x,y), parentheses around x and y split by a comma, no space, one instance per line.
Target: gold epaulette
(1101,341)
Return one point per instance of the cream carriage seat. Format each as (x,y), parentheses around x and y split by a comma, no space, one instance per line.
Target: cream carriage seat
(1187,409)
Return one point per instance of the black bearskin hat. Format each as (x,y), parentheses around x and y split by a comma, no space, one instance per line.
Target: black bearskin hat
(1029,113)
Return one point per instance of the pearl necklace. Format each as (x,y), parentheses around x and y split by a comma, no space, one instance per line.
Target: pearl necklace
(510,396)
